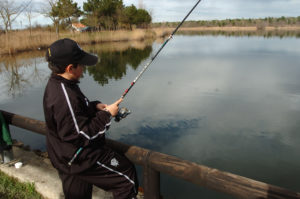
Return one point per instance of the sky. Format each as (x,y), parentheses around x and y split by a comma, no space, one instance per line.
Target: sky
(176,10)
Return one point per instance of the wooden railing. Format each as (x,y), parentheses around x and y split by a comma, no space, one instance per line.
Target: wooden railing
(154,163)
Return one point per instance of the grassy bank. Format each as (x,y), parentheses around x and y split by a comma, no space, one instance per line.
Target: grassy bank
(10,188)
(21,41)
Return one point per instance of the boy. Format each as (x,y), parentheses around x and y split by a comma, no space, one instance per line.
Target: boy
(76,130)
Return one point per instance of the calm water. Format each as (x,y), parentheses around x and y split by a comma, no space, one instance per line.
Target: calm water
(231,103)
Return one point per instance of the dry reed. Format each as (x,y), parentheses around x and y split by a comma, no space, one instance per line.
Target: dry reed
(21,41)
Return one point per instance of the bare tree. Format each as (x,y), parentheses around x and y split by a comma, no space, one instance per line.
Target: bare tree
(30,15)
(49,9)
(10,10)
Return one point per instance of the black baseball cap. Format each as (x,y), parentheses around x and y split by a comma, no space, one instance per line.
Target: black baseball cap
(66,51)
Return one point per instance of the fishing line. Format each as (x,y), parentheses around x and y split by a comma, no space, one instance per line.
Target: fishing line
(123,112)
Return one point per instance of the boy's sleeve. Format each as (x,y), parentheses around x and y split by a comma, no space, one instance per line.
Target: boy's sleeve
(93,104)
(92,127)
(78,126)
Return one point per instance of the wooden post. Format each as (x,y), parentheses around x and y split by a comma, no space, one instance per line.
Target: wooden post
(151,180)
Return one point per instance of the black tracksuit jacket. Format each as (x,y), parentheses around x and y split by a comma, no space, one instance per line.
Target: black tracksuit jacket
(72,122)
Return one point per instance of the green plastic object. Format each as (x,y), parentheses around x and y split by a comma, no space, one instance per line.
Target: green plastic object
(5,141)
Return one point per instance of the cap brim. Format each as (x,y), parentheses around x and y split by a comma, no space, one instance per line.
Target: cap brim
(88,59)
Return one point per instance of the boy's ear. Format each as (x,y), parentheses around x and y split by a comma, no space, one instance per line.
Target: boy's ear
(69,67)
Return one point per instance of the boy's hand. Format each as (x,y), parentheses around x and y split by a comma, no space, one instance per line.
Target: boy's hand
(114,108)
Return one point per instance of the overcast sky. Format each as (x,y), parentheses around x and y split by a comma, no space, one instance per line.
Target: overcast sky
(175,10)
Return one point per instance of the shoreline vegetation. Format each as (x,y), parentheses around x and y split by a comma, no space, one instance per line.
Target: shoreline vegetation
(11,188)
(24,40)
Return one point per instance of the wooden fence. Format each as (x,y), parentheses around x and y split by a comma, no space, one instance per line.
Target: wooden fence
(154,163)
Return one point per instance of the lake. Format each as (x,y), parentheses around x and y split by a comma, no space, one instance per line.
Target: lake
(227,102)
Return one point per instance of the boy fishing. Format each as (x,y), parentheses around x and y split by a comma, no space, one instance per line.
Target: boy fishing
(76,129)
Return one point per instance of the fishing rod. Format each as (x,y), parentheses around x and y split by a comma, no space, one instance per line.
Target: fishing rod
(123,112)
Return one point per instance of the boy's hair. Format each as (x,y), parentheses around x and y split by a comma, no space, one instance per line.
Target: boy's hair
(57,69)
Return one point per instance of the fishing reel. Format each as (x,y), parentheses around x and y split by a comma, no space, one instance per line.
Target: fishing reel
(123,112)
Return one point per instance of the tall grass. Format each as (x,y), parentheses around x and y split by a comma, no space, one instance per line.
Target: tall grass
(10,188)
(111,36)
(20,41)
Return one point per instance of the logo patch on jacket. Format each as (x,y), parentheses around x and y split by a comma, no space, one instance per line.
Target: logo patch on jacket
(114,162)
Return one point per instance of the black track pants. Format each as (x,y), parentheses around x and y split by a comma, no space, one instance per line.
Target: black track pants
(113,172)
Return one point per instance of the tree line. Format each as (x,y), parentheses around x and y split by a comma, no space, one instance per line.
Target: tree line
(100,14)
(260,23)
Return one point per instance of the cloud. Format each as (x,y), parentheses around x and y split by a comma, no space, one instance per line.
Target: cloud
(175,10)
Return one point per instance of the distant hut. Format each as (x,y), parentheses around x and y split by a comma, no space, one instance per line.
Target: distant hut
(79,27)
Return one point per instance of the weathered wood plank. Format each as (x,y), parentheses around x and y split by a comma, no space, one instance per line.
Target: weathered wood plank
(25,122)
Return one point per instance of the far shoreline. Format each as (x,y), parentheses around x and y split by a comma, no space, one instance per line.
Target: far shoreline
(237,28)
(24,41)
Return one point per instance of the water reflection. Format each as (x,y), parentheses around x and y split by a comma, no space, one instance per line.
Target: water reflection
(156,136)
(18,73)
(113,65)
(28,70)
